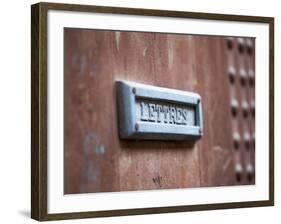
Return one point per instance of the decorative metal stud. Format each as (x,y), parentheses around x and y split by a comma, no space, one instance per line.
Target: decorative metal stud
(234,107)
(247,140)
(245,108)
(249,168)
(249,44)
(241,45)
(229,42)
(236,140)
(251,75)
(252,106)
(238,171)
(243,76)
(250,171)
(231,73)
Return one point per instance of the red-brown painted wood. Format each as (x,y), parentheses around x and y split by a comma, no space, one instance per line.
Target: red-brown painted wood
(95,159)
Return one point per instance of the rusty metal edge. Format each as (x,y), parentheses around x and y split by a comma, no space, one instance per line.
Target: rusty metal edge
(39,110)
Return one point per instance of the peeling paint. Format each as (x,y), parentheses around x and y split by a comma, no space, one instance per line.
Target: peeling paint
(93,153)
(90,142)
(92,145)
(217,148)
(91,174)
(144,52)
(170,55)
(226,164)
(117,40)
(100,149)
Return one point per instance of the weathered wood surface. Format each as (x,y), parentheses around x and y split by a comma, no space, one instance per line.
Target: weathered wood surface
(95,159)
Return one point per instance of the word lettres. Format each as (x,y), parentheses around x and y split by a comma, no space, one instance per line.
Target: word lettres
(169,114)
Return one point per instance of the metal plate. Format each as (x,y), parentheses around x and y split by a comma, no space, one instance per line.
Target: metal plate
(150,112)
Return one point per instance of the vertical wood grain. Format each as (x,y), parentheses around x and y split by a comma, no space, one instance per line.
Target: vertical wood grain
(96,160)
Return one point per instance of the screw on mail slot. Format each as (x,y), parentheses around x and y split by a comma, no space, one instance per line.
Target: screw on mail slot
(150,112)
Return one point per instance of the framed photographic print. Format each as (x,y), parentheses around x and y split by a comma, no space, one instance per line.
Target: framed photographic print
(139,111)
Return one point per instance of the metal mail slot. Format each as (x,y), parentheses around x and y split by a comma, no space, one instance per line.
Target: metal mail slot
(150,112)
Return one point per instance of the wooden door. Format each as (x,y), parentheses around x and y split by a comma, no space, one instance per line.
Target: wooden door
(220,69)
